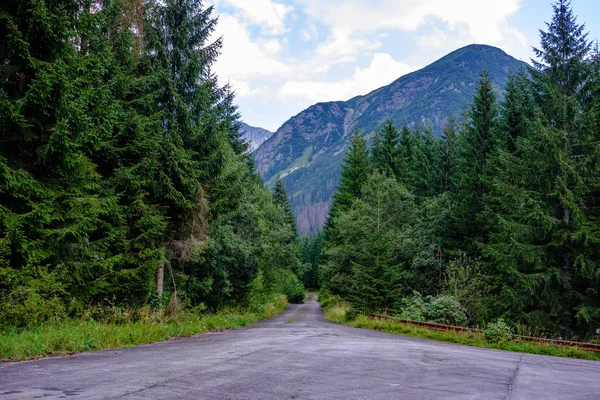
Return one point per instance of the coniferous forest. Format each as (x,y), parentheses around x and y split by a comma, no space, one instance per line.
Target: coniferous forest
(125,183)
(124,180)
(497,219)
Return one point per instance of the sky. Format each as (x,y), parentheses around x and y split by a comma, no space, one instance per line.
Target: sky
(282,56)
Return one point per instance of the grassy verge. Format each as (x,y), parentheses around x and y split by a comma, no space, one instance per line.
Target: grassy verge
(335,311)
(87,335)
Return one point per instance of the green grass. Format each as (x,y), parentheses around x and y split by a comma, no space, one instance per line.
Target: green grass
(80,335)
(335,311)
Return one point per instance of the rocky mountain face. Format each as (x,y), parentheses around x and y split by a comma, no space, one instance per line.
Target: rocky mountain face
(255,136)
(307,150)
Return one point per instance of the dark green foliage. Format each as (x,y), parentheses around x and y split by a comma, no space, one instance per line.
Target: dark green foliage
(504,209)
(477,143)
(518,110)
(386,150)
(448,157)
(354,175)
(123,176)
(311,251)
(543,241)
(367,263)
(281,199)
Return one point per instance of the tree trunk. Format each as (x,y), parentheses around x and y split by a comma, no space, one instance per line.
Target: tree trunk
(160,277)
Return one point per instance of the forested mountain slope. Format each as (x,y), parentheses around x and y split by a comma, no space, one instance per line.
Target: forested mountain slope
(308,148)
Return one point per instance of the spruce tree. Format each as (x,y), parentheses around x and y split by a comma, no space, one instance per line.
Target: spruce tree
(541,231)
(390,150)
(518,109)
(448,157)
(425,170)
(406,159)
(367,264)
(476,145)
(355,170)
(280,198)
(377,150)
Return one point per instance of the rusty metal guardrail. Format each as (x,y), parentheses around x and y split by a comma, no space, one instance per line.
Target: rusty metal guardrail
(452,328)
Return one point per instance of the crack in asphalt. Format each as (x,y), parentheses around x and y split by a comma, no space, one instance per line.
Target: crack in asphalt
(513,378)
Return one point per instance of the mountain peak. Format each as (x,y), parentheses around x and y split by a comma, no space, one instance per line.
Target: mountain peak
(254,136)
(307,150)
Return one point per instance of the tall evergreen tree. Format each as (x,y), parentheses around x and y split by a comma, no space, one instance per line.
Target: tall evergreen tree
(543,245)
(425,164)
(388,151)
(280,198)
(518,110)
(57,111)
(448,157)
(355,170)
(367,264)
(406,158)
(377,150)
(476,145)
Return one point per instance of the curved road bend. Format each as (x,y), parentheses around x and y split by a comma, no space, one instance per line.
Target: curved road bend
(299,355)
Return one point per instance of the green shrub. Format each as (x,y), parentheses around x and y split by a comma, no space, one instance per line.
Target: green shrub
(414,308)
(440,309)
(257,295)
(352,314)
(466,282)
(445,310)
(496,332)
(326,299)
(293,289)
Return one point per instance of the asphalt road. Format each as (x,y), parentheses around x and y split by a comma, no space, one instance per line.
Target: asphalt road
(299,355)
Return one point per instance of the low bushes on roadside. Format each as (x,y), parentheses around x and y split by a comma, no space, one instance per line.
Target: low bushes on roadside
(116,328)
(497,336)
(497,332)
(439,309)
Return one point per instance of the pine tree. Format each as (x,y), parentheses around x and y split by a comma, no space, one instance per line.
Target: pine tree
(311,249)
(377,150)
(425,170)
(518,110)
(448,157)
(355,170)
(280,198)
(541,227)
(406,158)
(476,145)
(367,264)
(58,111)
(389,150)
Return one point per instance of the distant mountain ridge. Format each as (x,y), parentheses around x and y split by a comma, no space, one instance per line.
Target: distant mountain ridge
(307,150)
(254,136)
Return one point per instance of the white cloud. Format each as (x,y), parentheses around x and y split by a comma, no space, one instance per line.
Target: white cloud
(263,67)
(309,33)
(382,70)
(243,58)
(341,45)
(486,20)
(436,39)
(268,14)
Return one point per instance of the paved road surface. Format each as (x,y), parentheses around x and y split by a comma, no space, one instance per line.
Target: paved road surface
(308,358)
